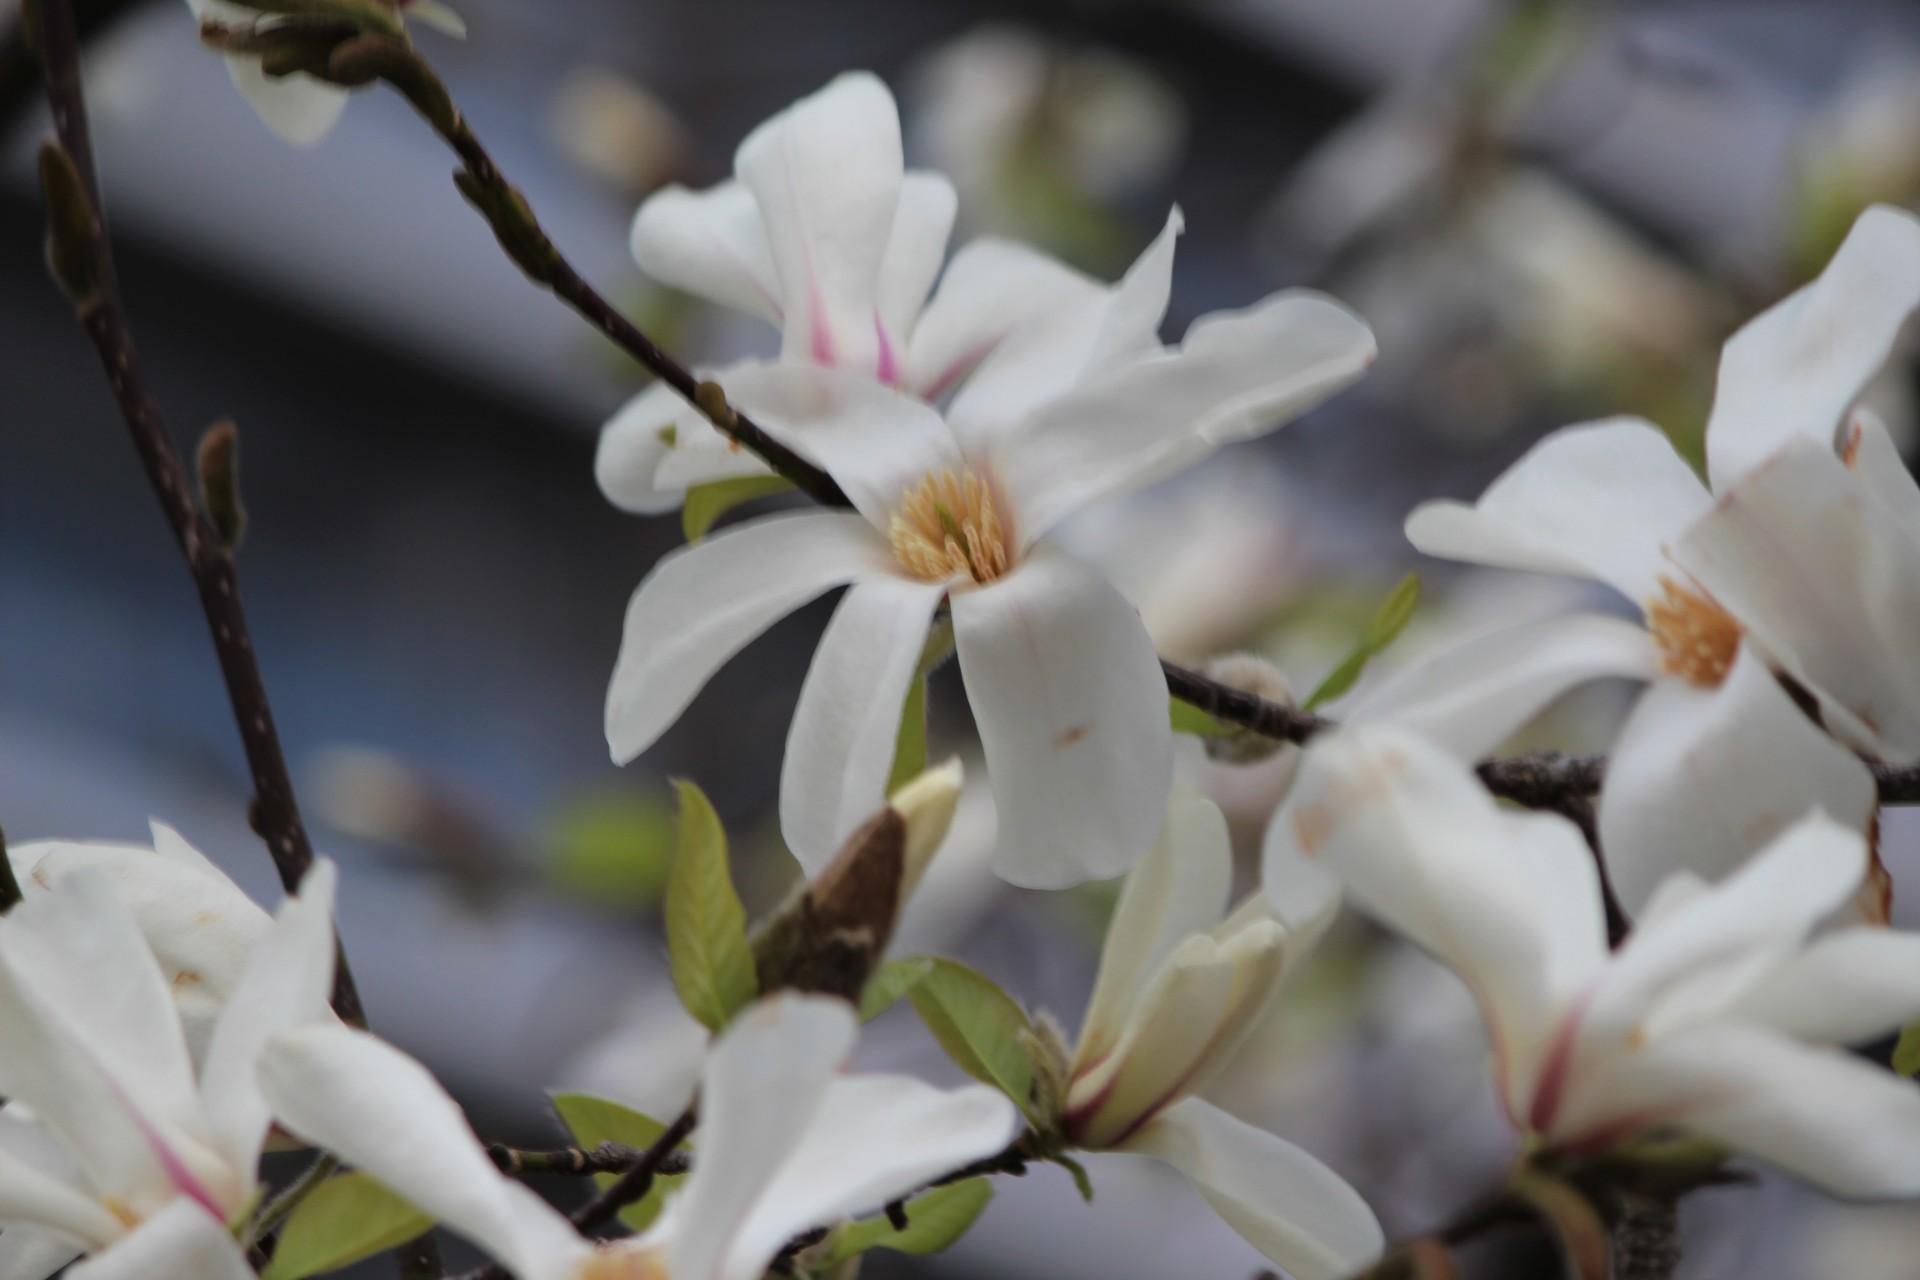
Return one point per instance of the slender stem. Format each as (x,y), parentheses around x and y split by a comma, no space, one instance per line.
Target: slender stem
(579,1162)
(636,1182)
(276,1210)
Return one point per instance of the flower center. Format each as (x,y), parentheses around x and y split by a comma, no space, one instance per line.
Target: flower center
(947,526)
(620,1260)
(1698,639)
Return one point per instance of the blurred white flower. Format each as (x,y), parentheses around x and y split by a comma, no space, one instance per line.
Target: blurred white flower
(1714,1017)
(1179,990)
(123,1153)
(786,1144)
(1081,405)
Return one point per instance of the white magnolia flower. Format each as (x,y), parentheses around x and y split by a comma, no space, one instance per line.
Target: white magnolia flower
(200,925)
(300,108)
(121,1152)
(786,1144)
(1178,992)
(1784,575)
(1718,1014)
(825,233)
(1081,406)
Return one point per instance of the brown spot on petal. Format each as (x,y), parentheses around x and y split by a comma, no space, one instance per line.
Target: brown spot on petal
(187,978)
(1071,736)
(1873,900)
(207,919)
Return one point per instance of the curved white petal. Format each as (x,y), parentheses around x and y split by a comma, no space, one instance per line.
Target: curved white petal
(1298,888)
(702,604)
(1054,349)
(287,982)
(298,108)
(1870,453)
(872,439)
(1071,709)
(915,250)
(31,1253)
(1846,988)
(710,243)
(827,173)
(762,1088)
(840,747)
(633,444)
(380,1111)
(1281,1199)
(1179,889)
(873,1138)
(29,1195)
(1474,695)
(1792,371)
(1702,779)
(990,287)
(1826,581)
(1602,500)
(1236,375)
(181,1242)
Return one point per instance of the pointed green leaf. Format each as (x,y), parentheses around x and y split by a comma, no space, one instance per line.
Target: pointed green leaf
(343,1220)
(1906,1053)
(934,1221)
(1188,718)
(979,1025)
(1388,621)
(910,747)
(706,503)
(889,983)
(706,925)
(593,1121)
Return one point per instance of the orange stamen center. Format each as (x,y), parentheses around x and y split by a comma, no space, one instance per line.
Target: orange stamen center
(948,526)
(1698,639)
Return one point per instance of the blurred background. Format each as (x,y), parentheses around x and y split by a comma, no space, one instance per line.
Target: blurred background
(1547,211)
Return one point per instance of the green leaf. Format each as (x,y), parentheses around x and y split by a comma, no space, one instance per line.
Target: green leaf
(708,502)
(1906,1053)
(706,925)
(934,1221)
(613,849)
(343,1220)
(889,983)
(1388,621)
(910,747)
(1188,718)
(1081,1182)
(980,1027)
(593,1121)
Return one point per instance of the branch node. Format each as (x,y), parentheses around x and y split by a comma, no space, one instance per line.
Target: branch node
(711,400)
(218,462)
(70,227)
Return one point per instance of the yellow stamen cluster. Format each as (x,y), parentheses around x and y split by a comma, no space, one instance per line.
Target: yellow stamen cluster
(947,526)
(622,1261)
(1698,639)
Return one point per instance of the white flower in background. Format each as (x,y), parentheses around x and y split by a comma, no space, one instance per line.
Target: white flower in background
(121,1153)
(1785,574)
(1179,990)
(200,925)
(1081,405)
(1718,1014)
(825,233)
(786,1144)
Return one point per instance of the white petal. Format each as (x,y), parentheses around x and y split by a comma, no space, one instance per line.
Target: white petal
(1071,709)
(30,1253)
(873,1138)
(1281,1199)
(1602,501)
(634,443)
(1236,375)
(1846,988)
(1792,371)
(710,243)
(702,604)
(872,439)
(840,748)
(181,1242)
(1179,889)
(1870,453)
(1827,583)
(381,1111)
(827,173)
(989,288)
(1702,779)
(29,1195)
(1054,349)
(287,982)
(1472,696)
(763,1084)
(298,108)
(915,250)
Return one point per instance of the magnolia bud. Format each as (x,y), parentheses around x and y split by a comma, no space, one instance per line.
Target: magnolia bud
(1250,673)
(927,804)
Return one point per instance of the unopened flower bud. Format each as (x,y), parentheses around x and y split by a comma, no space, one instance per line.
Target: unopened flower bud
(927,804)
(1250,673)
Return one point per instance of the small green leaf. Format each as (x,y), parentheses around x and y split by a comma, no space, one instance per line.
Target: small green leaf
(706,925)
(1081,1182)
(979,1025)
(613,849)
(593,1121)
(910,747)
(889,983)
(1188,718)
(1906,1053)
(344,1220)
(934,1221)
(708,502)
(1388,621)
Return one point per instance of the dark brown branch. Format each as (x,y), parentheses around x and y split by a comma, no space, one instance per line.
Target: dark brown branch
(578,1162)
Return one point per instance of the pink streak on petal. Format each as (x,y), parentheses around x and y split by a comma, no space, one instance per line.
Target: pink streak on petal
(889,369)
(823,352)
(171,1164)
